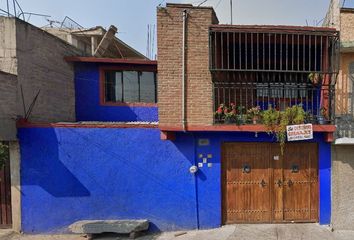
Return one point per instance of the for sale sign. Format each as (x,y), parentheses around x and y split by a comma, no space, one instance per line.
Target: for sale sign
(299,132)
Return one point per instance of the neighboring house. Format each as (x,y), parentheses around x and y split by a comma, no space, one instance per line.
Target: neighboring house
(133,153)
(97,42)
(117,90)
(342,18)
(31,63)
(37,85)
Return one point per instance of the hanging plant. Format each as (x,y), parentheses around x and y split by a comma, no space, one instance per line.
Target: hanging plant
(4,153)
(270,118)
(276,121)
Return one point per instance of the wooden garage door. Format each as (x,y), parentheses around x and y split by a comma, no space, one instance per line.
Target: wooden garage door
(260,185)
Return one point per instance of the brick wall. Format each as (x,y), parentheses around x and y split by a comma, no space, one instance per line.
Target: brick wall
(199,100)
(344,86)
(346,26)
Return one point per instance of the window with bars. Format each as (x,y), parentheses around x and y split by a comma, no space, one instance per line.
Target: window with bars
(130,87)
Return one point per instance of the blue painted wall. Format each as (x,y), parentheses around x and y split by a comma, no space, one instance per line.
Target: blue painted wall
(68,174)
(88,106)
(209,179)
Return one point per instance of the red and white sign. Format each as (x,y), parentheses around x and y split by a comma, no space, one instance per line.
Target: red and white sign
(299,132)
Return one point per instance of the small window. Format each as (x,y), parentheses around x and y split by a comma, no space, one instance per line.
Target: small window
(130,86)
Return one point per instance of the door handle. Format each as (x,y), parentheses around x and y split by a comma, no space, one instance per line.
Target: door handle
(263,183)
(290,183)
(279,183)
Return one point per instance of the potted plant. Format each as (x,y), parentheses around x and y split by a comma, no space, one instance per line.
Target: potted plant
(309,117)
(270,118)
(230,114)
(321,118)
(254,114)
(219,113)
(276,121)
(240,116)
(315,78)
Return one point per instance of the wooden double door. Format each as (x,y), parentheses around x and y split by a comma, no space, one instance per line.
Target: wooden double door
(262,186)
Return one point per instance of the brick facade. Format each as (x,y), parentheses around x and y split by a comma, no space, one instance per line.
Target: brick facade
(199,99)
(344,86)
(346,26)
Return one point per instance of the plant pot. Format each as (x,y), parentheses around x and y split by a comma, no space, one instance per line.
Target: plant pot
(255,120)
(321,120)
(240,120)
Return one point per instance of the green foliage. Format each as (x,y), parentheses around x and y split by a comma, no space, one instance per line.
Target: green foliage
(270,118)
(276,121)
(4,153)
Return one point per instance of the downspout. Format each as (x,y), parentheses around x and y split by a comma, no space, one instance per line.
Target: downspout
(184,70)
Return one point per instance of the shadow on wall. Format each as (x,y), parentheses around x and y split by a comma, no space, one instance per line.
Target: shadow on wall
(46,170)
(105,173)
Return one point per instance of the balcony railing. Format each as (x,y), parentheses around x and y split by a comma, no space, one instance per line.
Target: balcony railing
(261,66)
(276,91)
(242,48)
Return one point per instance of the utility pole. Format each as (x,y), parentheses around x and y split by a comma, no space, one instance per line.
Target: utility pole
(231,10)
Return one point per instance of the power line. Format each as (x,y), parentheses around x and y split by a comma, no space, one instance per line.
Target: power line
(159,5)
(202,3)
(217,5)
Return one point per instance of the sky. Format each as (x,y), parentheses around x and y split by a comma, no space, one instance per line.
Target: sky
(132,16)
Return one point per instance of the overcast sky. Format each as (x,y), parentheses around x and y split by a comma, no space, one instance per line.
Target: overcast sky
(132,16)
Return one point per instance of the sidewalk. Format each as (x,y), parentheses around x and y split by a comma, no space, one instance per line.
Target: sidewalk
(229,232)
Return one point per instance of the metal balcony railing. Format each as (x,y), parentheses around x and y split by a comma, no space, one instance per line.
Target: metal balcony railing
(277,66)
(273,49)
(317,99)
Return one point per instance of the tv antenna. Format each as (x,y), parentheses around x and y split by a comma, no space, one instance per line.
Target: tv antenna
(231,11)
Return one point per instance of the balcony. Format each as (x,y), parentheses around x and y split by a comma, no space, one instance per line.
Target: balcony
(235,101)
(255,68)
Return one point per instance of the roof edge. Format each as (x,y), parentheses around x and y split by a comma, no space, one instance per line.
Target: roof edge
(110,60)
(275,27)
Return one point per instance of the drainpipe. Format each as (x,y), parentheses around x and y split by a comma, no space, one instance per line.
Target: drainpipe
(184,70)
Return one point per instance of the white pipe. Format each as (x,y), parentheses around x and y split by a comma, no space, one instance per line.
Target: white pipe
(184,70)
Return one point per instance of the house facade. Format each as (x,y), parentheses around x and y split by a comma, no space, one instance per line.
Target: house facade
(247,67)
(341,16)
(36,83)
(187,149)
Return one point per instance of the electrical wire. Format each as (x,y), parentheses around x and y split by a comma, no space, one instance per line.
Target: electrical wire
(202,3)
(217,5)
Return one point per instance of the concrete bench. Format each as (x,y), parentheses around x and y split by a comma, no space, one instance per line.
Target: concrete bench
(131,227)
